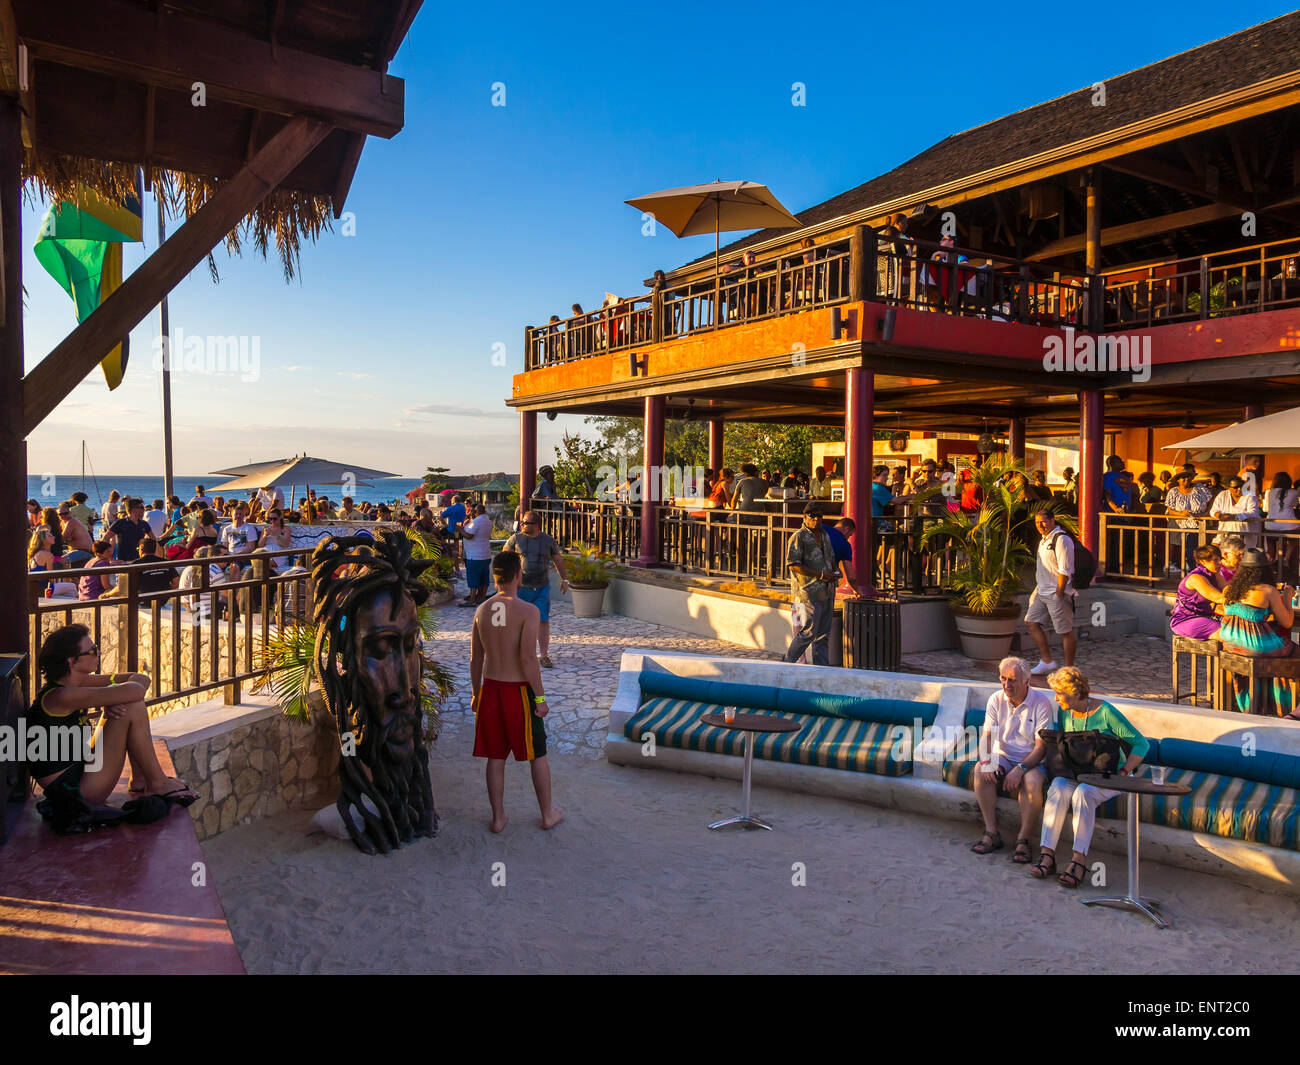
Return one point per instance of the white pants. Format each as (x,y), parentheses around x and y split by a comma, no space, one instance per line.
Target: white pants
(1085,799)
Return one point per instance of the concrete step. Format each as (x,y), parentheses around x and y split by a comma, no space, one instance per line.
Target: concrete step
(1115,622)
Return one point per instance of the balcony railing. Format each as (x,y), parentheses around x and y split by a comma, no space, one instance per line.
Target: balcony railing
(928,276)
(1151,549)
(1239,281)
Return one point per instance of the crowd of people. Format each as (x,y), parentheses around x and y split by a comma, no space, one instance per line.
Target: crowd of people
(226,532)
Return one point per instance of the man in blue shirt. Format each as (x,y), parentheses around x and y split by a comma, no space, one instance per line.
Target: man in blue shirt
(881,496)
(454,515)
(1116,493)
(839,534)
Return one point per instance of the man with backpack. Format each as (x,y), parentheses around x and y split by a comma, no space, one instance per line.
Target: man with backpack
(1054,594)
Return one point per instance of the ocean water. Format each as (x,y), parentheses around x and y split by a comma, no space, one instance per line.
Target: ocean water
(51,489)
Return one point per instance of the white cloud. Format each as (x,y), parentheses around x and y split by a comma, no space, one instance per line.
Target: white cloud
(355,376)
(292,369)
(448,410)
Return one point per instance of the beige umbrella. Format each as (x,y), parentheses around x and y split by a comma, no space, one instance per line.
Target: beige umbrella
(299,470)
(721,206)
(1272,433)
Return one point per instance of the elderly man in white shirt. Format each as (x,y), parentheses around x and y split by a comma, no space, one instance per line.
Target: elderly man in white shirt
(1011,723)
(1231,506)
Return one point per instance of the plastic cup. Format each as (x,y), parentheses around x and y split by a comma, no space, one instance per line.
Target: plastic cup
(1158,774)
(729,714)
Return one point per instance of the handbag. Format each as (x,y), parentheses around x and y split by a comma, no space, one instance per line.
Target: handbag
(1072,754)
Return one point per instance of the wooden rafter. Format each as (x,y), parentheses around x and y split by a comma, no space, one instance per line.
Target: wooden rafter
(1147,227)
(119,39)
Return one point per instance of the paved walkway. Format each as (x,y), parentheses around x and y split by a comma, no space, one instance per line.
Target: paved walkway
(581,687)
(586,653)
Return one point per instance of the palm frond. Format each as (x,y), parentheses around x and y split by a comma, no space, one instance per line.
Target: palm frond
(288,662)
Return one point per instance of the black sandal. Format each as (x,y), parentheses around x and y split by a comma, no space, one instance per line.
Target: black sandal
(1068,879)
(1045,866)
(994,843)
(1021,855)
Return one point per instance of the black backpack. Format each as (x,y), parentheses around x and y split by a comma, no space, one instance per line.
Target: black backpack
(1085,562)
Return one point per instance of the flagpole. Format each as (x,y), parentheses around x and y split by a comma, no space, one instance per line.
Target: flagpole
(166,366)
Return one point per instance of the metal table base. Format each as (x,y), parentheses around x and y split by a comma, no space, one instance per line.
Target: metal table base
(745,819)
(1134,900)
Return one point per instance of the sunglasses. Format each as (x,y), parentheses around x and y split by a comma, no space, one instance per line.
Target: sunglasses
(94,650)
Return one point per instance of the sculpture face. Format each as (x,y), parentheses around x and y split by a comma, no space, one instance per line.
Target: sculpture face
(388,657)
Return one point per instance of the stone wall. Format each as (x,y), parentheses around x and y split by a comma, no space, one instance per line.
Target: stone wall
(256,768)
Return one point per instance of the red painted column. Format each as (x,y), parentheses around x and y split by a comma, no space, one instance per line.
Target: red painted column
(527,456)
(859,431)
(1092,445)
(650,479)
(1016,439)
(715,444)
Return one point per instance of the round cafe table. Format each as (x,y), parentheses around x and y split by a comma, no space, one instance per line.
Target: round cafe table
(749,724)
(1133,786)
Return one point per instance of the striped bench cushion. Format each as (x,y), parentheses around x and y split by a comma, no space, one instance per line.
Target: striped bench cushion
(832,742)
(1218,805)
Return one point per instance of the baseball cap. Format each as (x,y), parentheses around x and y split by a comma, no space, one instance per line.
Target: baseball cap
(813,508)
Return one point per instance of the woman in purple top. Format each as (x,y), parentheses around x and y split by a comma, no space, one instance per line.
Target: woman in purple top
(1198,593)
(92,585)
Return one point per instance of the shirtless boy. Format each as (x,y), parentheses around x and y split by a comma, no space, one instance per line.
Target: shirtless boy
(509,703)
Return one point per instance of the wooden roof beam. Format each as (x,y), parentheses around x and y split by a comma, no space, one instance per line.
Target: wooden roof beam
(1148,227)
(81,350)
(125,41)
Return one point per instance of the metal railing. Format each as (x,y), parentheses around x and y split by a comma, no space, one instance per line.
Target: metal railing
(1259,277)
(1153,549)
(189,640)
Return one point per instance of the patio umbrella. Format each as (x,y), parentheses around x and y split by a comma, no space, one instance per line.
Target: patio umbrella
(1272,433)
(721,206)
(302,470)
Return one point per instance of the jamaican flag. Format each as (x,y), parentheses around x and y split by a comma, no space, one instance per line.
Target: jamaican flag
(80,246)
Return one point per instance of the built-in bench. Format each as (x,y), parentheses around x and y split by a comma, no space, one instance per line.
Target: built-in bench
(908,742)
(838,731)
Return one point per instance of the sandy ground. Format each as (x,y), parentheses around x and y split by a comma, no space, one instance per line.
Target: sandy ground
(634,882)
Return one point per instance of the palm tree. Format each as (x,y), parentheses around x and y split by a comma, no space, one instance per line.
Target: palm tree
(990,556)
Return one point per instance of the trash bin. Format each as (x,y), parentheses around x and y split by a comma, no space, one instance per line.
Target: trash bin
(873,636)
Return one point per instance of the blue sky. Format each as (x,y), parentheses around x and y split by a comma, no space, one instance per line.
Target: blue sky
(478,220)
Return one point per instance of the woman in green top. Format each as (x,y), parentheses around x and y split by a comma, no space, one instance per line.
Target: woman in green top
(1078,713)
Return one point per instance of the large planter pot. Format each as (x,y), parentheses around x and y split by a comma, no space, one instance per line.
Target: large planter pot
(986,637)
(588,599)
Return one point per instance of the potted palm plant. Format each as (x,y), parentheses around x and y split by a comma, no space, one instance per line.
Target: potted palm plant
(989,559)
(589,572)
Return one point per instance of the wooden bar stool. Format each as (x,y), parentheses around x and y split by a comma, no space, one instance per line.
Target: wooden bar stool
(1209,651)
(1254,669)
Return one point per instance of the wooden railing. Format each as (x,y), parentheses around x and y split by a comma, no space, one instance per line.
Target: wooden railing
(742,545)
(1242,280)
(188,640)
(1152,549)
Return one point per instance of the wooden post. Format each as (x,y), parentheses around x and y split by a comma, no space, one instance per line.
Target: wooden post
(858,251)
(13,452)
(1016,439)
(1092,444)
(716,429)
(657,314)
(859,433)
(652,460)
(1205,286)
(527,457)
(130,582)
(1094,222)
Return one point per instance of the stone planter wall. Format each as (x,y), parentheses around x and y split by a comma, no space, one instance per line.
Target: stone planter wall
(257,768)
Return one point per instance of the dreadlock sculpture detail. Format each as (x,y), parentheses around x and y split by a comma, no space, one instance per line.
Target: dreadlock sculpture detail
(368,661)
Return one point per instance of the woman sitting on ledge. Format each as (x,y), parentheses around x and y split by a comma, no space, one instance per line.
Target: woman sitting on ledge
(1248,601)
(1198,594)
(1078,713)
(68,661)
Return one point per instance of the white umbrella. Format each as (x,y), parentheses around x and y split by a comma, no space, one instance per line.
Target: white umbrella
(1272,433)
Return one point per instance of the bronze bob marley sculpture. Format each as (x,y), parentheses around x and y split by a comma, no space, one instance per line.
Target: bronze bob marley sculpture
(368,661)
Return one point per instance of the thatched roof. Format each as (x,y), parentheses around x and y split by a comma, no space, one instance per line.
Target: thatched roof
(1245,58)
